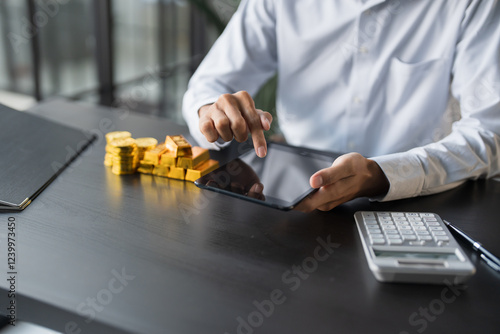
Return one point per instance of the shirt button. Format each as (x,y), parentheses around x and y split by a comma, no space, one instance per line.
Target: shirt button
(357,100)
(351,145)
(363,49)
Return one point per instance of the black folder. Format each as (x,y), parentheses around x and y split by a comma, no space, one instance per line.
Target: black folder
(33,152)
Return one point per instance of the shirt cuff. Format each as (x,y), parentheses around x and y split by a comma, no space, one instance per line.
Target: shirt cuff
(405,174)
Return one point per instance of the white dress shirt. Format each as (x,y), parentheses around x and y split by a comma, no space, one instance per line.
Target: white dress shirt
(413,84)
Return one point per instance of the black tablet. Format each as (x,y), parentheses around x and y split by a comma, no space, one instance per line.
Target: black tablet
(280,180)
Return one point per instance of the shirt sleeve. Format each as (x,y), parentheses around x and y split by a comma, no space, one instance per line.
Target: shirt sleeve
(243,58)
(471,151)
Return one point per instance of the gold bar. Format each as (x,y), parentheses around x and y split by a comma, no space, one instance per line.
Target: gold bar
(198,156)
(145,167)
(176,173)
(153,156)
(168,159)
(161,170)
(202,169)
(178,145)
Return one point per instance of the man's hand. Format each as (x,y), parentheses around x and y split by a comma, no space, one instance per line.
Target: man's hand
(234,116)
(350,176)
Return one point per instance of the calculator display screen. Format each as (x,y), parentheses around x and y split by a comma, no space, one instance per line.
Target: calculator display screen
(417,255)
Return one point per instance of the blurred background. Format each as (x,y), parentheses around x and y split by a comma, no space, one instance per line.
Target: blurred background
(134,54)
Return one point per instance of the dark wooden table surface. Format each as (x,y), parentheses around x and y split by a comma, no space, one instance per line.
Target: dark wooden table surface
(100,253)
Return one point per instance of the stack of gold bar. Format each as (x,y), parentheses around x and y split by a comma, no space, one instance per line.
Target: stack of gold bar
(110,136)
(175,158)
(181,161)
(124,154)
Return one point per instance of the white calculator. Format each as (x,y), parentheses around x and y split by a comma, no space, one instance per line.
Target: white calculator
(412,247)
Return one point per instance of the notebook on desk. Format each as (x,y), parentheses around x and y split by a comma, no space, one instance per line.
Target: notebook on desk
(33,152)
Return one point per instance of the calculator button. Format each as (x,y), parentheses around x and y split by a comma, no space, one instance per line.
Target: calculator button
(423,233)
(371,222)
(430,220)
(442,243)
(433,224)
(370,227)
(417,243)
(393,236)
(395,241)
(420,228)
(425,237)
(392,232)
(387,222)
(385,218)
(368,215)
(405,228)
(383,214)
(417,223)
(409,237)
(399,219)
(374,231)
(398,214)
(388,227)
(439,232)
(402,223)
(435,228)
(412,214)
(407,232)
(442,238)
(377,236)
(378,241)
(426,215)
(414,219)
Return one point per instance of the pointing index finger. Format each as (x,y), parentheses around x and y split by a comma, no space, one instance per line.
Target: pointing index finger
(254,122)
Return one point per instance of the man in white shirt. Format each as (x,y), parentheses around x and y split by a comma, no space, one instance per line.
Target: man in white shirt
(414,85)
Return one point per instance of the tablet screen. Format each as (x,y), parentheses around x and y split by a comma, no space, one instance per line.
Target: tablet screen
(280,180)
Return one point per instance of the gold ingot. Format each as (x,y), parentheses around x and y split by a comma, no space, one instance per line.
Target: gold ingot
(202,169)
(144,163)
(146,143)
(161,170)
(178,145)
(146,169)
(110,136)
(176,173)
(153,155)
(168,159)
(198,156)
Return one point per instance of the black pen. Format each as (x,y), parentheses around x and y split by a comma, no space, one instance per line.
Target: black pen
(489,258)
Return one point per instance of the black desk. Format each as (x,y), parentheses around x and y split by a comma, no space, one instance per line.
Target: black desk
(200,262)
